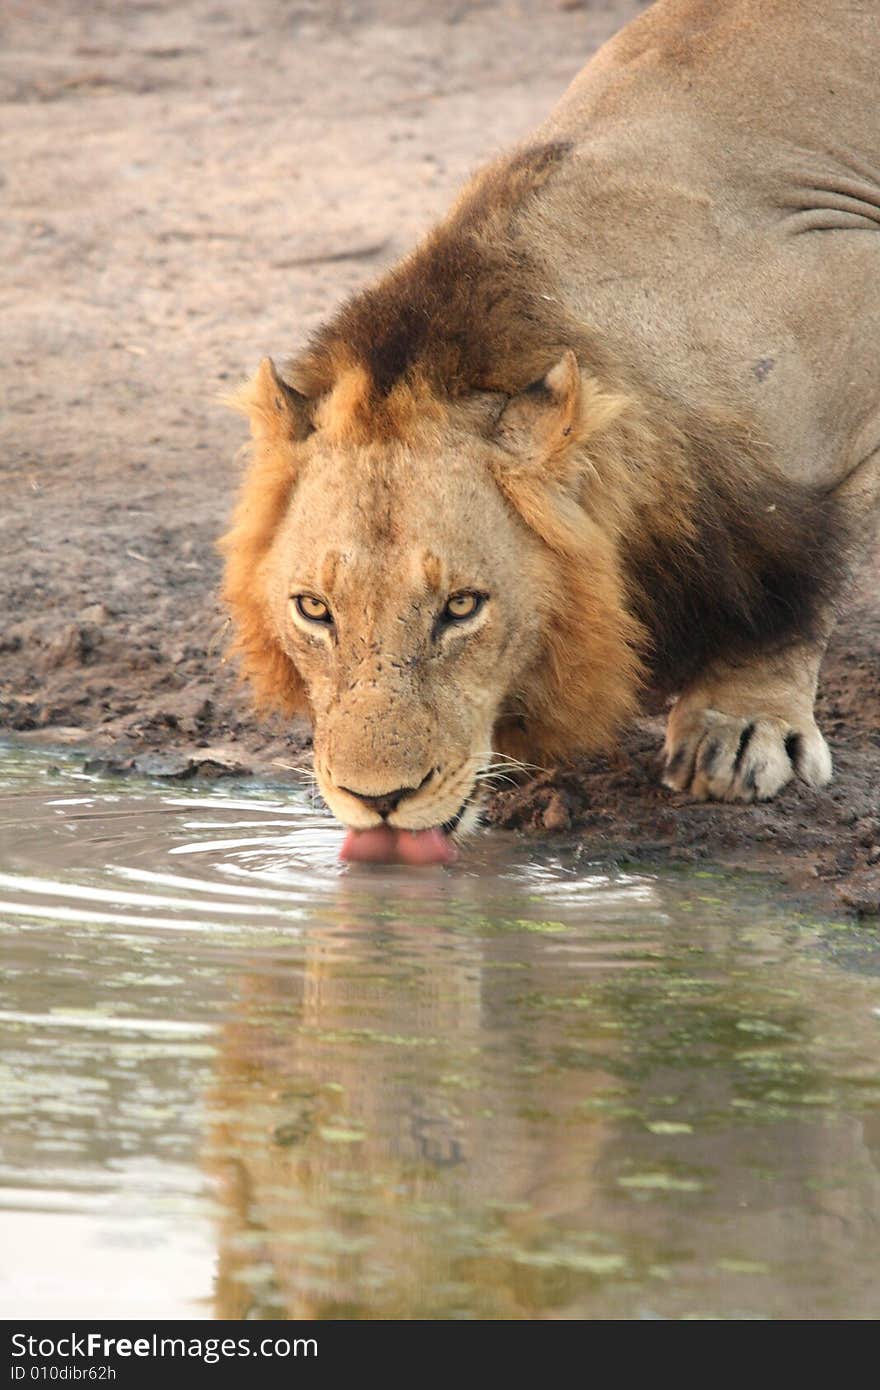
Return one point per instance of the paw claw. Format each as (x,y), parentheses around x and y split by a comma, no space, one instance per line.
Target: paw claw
(722,757)
(709,755)
(745,739)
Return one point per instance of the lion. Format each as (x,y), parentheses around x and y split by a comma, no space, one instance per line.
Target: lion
(611,431)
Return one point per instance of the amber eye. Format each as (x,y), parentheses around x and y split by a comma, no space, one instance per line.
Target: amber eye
(314,610)
(462,606)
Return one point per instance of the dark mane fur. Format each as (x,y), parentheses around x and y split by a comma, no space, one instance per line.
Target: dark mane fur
(463,311)
(760,564)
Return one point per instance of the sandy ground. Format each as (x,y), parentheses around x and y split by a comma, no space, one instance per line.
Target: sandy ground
(188,185)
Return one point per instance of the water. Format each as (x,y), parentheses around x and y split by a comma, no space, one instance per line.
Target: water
(239,1080)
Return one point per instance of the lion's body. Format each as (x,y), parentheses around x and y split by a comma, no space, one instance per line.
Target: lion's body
(720,214)
(645,345)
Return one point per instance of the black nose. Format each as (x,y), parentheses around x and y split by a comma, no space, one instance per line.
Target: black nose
(388,801)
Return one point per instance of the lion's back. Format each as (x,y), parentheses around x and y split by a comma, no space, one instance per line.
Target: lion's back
(784,67)
(720,214)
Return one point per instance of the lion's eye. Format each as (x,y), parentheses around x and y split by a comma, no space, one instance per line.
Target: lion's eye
(463,605)
(314,610)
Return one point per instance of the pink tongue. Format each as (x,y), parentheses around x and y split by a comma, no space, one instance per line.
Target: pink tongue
(385,845)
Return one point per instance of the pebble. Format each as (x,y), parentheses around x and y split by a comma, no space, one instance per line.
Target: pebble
(556,815)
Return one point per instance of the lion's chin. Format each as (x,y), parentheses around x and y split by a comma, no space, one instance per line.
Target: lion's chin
(383,844)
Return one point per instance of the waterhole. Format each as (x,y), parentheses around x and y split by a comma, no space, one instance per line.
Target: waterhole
(238,1080)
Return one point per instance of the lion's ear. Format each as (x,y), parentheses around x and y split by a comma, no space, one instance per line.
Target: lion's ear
(539,424)
(544,424)
(275,409)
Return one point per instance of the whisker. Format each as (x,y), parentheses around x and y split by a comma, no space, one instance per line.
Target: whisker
(302,770)
(493,779)
(505,760)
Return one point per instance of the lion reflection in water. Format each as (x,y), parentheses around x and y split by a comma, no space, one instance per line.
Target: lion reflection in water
(441,1119)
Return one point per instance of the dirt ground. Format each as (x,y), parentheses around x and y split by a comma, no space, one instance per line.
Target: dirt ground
(191,184)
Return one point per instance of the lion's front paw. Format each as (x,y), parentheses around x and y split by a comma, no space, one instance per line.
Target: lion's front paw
(721,757)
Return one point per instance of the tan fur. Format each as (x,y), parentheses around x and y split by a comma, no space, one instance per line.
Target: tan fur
(595,394)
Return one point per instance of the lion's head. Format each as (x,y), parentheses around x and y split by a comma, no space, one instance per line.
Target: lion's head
(423,582)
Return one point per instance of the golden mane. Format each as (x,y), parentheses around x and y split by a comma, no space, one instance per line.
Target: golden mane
(262,503)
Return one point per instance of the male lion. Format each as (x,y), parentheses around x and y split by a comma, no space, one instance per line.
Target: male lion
(614,425)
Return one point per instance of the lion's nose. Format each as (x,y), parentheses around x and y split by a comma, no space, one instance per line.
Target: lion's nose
(388,801)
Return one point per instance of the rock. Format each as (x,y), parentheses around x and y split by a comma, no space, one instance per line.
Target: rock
(97,613)
(207,763)
(862,893)
(217,762)
(73,645)
(868,831)
(16,637)
(194,709)
(173,766)
(107,767)
(556,816)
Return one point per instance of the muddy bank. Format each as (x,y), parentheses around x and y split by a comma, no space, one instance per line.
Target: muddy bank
(187,188)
